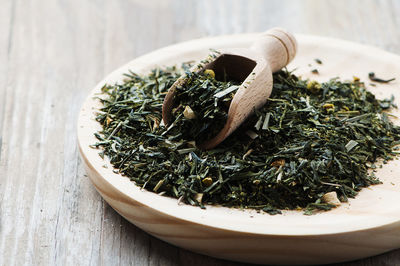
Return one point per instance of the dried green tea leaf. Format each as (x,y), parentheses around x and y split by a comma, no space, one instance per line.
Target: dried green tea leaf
(372,77)
(350,145)
(309,140)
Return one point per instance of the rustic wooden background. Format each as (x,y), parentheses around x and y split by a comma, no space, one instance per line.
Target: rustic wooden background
(52,52)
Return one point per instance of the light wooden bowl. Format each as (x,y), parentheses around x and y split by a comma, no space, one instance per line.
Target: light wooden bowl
(367,225)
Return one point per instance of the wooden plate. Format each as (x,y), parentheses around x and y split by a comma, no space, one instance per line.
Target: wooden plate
(367,225)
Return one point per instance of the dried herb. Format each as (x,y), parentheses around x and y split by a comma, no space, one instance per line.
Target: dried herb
(372,77)
(318,61)
(204,103)
(310,139)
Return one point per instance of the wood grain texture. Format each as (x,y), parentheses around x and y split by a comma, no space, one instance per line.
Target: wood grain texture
(53,52)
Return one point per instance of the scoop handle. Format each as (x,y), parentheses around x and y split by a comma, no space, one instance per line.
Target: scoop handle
(277,46)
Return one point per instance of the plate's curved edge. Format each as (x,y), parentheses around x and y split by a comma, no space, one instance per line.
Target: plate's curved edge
(192,45)
(189,46)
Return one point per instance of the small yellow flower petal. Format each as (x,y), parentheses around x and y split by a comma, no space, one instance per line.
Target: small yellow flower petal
(207,181)
(209,72)
(313,86)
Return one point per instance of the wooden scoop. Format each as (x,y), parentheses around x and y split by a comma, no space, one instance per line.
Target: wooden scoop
(254,66)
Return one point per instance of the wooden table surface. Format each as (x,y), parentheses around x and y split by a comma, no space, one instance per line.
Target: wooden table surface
(52,52)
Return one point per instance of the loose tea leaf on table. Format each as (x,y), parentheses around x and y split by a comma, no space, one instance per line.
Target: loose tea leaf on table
(372,77)
(308,140)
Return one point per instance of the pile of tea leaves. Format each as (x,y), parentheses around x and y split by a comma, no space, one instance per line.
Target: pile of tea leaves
(202,106)
(309,139)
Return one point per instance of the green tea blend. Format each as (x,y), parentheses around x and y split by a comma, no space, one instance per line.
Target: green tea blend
(312,146)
